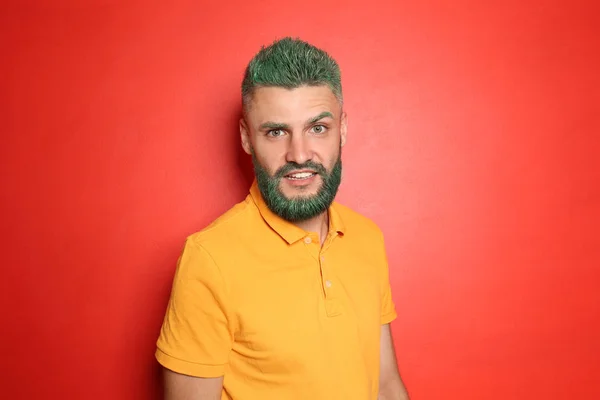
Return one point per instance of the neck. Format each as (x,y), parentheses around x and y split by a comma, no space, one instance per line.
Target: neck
(318,224)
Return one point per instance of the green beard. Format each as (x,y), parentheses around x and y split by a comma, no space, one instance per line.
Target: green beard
(298,208)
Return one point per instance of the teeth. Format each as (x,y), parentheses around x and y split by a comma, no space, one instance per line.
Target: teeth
(301,175)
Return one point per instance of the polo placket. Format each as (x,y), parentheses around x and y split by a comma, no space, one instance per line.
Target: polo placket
(332,304)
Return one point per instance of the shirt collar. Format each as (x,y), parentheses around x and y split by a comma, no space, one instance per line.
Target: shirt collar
(288,231)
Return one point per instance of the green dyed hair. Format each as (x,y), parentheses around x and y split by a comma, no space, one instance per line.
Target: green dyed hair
(291,63)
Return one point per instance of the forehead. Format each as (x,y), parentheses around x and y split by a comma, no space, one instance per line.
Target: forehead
(287,105)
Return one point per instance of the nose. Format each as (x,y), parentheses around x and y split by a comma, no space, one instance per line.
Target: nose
(298,150)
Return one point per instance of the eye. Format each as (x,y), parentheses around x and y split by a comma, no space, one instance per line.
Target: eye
(275,132)
(319,129)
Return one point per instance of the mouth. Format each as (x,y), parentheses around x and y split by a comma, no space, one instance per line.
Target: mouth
(300,175)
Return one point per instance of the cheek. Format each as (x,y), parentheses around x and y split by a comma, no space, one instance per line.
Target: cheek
(332,157)
(269,159)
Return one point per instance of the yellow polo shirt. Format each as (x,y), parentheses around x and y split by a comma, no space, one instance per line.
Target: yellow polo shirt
(259,301)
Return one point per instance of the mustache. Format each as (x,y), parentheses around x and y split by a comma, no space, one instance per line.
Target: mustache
(293,166)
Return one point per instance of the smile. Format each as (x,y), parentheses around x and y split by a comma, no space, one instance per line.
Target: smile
(301,175)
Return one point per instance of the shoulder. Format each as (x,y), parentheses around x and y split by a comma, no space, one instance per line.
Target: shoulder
(364,239)
(226,227)
(357,222)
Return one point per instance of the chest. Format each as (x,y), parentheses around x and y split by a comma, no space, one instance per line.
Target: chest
(305,313)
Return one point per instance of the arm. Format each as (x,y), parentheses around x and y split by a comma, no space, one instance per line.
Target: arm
(184,387)
(391,386)
(195,338)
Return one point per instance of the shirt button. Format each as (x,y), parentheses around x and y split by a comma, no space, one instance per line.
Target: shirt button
(328,283)
(322,258)
(307,240)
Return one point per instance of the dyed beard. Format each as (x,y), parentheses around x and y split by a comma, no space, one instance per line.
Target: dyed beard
(298,208)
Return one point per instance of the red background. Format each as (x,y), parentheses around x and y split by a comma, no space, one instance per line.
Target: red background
(473,143)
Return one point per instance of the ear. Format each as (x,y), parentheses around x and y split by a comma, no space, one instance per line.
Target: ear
(343,128)
(245,136)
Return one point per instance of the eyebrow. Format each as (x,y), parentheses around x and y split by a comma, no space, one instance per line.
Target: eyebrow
(278,125)
(324,114)
(274,125)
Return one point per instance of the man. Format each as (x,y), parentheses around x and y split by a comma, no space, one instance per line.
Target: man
(285,296)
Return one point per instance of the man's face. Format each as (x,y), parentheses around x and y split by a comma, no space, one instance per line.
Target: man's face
(295,138)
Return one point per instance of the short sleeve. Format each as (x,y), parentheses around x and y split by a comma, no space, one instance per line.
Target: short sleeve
(195,338)
(388,308)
